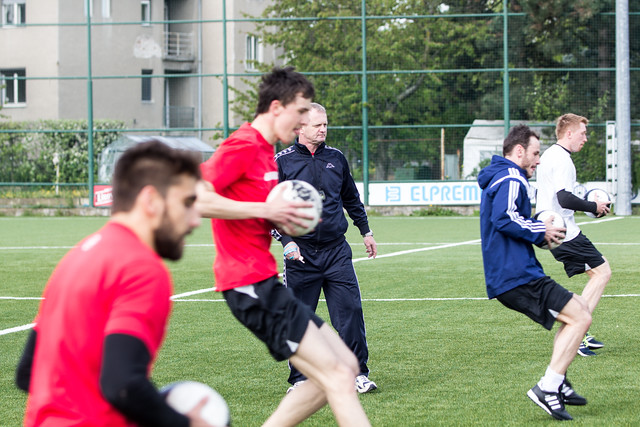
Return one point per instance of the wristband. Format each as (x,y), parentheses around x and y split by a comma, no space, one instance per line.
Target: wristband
(290,249)
(368,234)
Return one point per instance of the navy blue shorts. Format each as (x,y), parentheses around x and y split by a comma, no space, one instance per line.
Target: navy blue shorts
(273,314)
(541,300)
(578,255)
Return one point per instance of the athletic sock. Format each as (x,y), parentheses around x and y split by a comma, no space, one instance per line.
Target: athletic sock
(551,381)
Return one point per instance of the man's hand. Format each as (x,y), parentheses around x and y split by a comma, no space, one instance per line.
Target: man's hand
(292,252)
(553,235)
(371,246)
(603,206)
(285,215)
(195,419)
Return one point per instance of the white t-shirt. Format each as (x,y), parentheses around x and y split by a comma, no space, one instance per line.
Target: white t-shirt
(556,172)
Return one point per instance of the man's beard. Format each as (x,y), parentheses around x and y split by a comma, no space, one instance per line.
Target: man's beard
(167,244)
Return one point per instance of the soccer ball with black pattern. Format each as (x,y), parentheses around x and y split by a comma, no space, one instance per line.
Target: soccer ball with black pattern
(299,191)
(558,221)
(591,197)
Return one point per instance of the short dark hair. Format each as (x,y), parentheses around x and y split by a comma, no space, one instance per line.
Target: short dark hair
(282,84)
(150,163)
(518,135)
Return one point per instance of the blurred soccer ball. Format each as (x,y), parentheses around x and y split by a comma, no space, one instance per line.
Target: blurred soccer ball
(591,197)
(299,191)
(184,395)
(558,221)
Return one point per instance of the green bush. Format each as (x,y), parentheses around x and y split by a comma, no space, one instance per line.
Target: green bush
(434,211)
(27,152)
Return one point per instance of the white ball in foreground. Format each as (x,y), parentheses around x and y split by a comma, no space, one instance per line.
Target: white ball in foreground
(558,221)
(591,197)
(299,191)
(184,395)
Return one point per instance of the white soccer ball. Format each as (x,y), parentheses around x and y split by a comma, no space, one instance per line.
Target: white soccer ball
(299,191)
(591,197)
(184,395)
(558,221)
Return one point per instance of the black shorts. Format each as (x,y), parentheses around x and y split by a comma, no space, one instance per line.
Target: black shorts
(541,300)
(578,255)
(273,314)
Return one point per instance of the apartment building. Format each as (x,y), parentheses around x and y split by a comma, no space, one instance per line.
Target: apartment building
(157,65)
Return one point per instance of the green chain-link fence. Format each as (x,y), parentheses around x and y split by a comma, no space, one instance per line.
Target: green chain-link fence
(403,82)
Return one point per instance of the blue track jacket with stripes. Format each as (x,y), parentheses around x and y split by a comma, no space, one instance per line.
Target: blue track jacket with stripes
(328,171)
(506,228)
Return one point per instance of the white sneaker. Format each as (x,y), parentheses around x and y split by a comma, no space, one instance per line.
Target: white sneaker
(364,384)
(295,385)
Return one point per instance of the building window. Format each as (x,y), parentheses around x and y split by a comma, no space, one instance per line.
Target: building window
(106,8)
(253,54)
(145,8)
(146,85)
(13,87)
(14,12)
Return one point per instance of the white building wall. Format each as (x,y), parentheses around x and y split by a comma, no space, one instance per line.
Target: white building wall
(36,50)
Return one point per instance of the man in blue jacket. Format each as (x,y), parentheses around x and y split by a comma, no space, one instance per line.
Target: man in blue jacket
(322,259)
(514,276)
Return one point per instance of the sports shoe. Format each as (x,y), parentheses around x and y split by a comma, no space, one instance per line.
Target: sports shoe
(295,385)
(591,342)
(552,403)
(364,384)
(570,396)
(583,350)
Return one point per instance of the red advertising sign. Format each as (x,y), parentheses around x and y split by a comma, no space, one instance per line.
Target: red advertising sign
(102,195)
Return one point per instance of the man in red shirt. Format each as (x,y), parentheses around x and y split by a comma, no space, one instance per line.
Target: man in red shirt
(237,180)
(106,306)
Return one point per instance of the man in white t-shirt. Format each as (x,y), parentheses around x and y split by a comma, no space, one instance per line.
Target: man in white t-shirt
(556,180)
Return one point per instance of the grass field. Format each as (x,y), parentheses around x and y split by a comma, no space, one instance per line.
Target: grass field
(440,352)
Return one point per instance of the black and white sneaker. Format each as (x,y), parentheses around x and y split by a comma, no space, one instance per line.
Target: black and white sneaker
(552,403)
(570,396)
(591,342)
(585,351)
(364,384)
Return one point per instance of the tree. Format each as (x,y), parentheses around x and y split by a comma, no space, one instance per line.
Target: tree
(424,58)
(405,97)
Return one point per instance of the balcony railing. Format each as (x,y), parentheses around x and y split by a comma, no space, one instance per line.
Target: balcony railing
(179,117)
(178,46)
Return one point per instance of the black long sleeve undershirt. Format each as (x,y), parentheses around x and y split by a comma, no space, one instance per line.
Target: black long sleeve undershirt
(23,371)
(570,201)
(124,383)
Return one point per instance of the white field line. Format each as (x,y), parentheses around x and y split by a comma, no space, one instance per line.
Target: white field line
(411,251)
(17,329)
(187,294)
(210,245)
(178,297)
(31,325)
(598,221)
(402,299)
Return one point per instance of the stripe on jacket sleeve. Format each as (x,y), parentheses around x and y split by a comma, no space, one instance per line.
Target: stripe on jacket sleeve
(512,196)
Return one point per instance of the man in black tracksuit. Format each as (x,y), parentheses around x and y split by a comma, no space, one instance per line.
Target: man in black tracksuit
(322,259)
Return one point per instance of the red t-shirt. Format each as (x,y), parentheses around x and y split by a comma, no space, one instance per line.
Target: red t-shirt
(110,283)
(242,168)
